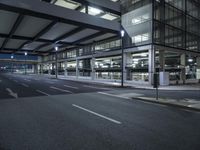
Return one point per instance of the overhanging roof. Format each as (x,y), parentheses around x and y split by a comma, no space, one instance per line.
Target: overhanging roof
(36,26)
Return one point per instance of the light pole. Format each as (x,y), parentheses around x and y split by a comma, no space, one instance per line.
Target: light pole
(25,60)
(56,48)
(11,70)
(122,55)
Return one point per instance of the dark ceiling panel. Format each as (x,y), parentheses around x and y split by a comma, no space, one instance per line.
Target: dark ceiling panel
(7,20)
(80,35)
(30,26)
(14,43)
(1,41)
(99,38)
(57,30)
(32,45)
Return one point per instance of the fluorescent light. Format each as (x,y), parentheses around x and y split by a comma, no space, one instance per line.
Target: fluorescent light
(190,60)
(109,17)
(94,11)
(122,33)
(25,53)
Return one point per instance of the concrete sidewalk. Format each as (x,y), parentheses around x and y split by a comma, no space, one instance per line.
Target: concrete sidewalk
(191,104)
(192,87)
(185,103)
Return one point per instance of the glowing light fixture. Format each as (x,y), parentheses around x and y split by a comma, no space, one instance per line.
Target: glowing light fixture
(190,60)
(56,48)
(94,11)
(122,33)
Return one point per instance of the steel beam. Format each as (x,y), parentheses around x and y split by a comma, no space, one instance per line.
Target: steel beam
(12,31)
(53,12)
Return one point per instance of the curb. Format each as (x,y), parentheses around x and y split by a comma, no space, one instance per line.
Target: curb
(168,104)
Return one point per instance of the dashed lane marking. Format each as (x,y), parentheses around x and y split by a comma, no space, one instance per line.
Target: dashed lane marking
(25,85)
(113,95)
(97,114)
(62,90)
(71,87)
(27,80)
(94,87)
(42,92)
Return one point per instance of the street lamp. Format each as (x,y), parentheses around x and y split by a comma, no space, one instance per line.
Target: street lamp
(122,55)
(56,48)
(25,60)
(12,57)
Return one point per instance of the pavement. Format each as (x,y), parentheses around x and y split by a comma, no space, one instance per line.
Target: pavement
(44,113)
(19,85)
(181,87)
(88,121)
(178,99)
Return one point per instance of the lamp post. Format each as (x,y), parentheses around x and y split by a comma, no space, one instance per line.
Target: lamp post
(11,70)
(56,71)
(122,55)
(25,61)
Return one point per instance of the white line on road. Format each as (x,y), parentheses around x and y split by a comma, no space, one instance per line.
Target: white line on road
(42,92)
(25,85)
(15,95)
(50,82)
(99,115)
(37,79)
(27,80)
(62,90)
(94,87)
(71,87)
(15,81)
(113,95)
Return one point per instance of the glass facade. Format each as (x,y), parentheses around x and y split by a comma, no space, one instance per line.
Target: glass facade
(160,36)
(176,24)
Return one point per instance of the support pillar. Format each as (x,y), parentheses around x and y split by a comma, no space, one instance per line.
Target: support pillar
(198,68)
(49,69)
(65,68)
(128,60)
(162,61)
(77,68)
(93,68)
(183,63)
(151,65)
(41,69)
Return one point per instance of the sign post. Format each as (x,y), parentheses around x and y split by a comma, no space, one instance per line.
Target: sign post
(155,84)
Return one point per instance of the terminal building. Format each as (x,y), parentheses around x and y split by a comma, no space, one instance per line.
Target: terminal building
(100,39)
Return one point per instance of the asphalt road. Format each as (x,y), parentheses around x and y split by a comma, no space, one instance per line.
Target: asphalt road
(89,120)
(16,86)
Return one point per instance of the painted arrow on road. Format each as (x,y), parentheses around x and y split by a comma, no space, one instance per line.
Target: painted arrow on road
(15,95)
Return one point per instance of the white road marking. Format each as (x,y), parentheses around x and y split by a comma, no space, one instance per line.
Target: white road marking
(71,87)
(97,114)
(37,79)
(62,90)
(25,85)
(113,95)
(50,82)
(15,95)
(27,80)
(42,92)
(94,87)
(146,102)
(15,81)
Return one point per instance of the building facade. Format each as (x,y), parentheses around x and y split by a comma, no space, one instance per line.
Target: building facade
(161,36)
